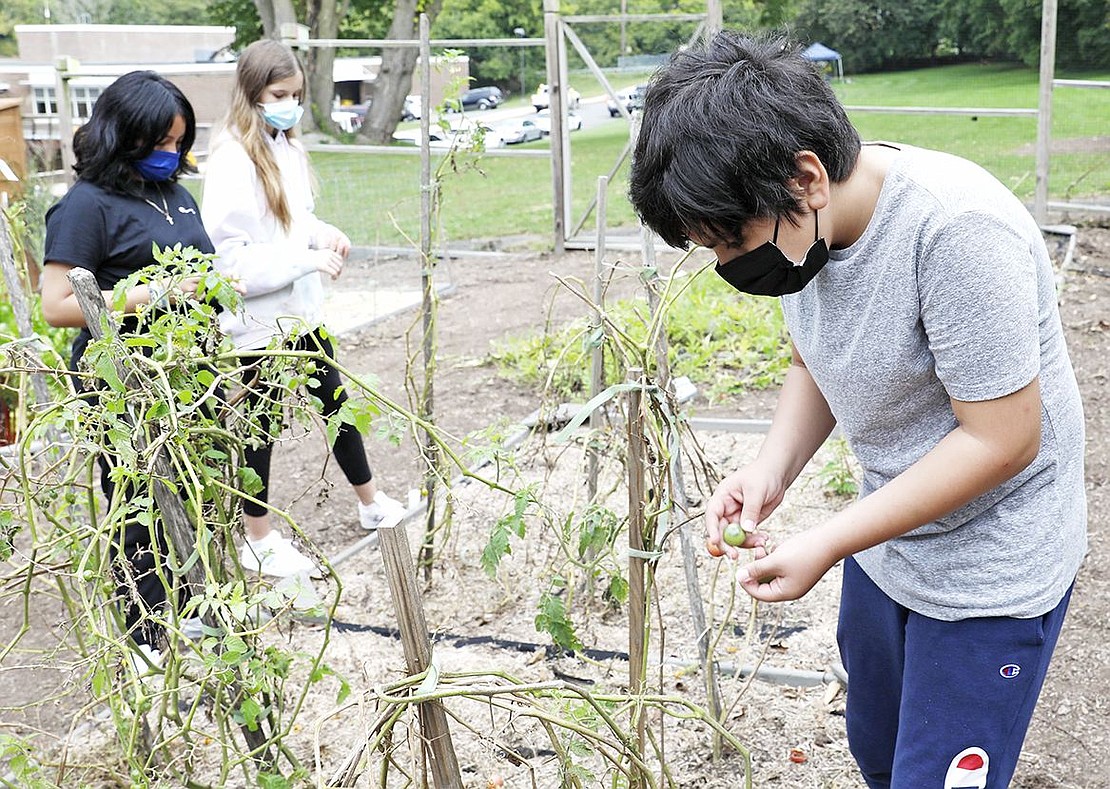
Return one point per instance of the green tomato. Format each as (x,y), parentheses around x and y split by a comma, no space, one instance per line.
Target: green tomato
(734,535)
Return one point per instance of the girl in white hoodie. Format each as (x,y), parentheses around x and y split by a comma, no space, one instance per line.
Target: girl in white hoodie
(258,210)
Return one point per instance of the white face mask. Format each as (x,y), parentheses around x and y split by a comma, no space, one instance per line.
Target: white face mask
(282,115)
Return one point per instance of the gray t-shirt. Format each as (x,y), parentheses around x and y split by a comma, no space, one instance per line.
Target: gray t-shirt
(949,293)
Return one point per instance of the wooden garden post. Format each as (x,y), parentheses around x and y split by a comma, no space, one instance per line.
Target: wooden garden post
(556,95)
(430,450)
(637,593)
(409,608)
(597,366)
(1044,110)
(678,484)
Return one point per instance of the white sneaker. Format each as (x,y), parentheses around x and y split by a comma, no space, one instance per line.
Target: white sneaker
(274,555)
(192,628)
(146,660)
(382,513)
(301,594)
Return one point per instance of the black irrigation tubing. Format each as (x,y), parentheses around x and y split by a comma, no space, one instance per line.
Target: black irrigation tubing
(551,651)
(772,674)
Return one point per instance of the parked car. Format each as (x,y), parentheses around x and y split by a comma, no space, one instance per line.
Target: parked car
(518,131)
(632,99)
(541,101)
(543,120)
(349,117)
(414,105)
(484,98)
(463,136)
(347,121)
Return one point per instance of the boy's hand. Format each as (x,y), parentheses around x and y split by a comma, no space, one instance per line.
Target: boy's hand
(747,497)
(788,571)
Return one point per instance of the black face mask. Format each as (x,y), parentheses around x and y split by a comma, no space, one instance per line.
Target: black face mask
(766,271)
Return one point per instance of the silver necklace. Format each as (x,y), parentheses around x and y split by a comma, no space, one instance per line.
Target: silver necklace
(164,210)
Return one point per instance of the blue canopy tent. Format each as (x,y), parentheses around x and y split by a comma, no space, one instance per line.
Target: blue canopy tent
(819,53)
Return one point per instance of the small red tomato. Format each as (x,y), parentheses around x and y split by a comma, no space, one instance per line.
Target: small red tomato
(713,548)
(734,535)
(797,755)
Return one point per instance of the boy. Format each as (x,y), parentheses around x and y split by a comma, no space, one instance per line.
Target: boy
(923,319)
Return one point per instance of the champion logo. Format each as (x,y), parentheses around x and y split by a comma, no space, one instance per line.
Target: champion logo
(968,770)
(183,210)
(1010,670)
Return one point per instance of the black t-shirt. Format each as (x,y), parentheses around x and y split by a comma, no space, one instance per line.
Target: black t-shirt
(111,234)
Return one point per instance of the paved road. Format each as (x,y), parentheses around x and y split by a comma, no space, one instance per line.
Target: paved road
(592,109)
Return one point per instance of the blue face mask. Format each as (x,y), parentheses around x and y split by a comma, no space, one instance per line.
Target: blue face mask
(159,165)
(282,115)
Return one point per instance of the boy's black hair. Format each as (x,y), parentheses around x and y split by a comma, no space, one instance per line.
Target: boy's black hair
(722,123)
(129,119)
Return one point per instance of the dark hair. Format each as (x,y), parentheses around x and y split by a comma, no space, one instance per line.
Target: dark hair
(129,119)
(722,123)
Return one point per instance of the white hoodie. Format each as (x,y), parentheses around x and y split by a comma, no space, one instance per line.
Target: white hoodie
(284,290)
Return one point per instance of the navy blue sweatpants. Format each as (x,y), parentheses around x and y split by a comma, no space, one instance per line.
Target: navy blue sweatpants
(934,704)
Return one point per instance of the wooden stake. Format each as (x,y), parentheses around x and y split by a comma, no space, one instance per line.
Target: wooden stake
(597,366)
(430,450)
(637,593)
(679,499)
(409,609)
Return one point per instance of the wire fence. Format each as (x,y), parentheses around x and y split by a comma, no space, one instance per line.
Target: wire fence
(1080,163)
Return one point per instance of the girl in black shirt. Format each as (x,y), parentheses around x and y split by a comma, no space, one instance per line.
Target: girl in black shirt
(126,198)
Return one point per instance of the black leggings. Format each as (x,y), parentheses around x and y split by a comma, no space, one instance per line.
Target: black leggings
(135,553)
(138,587)
(325,384)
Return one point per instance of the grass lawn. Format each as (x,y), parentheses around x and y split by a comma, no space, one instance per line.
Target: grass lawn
(1080,165)
(377,199)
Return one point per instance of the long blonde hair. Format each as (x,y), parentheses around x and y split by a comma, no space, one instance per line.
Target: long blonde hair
(260,65)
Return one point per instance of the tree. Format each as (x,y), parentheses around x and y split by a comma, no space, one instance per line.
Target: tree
(323,22)
(12,13)
(395,74)
(274,14)
(871,33)
(492,19)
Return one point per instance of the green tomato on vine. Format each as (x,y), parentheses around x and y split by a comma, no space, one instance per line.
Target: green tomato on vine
(734,535)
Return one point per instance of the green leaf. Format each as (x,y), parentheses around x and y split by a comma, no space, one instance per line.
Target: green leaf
(234,649)
(272,781)
(249,480)
(552,619)
(496,549)
(618,589)
(105,367)
(250,711)
(344,689)
(598,529)
(498,546)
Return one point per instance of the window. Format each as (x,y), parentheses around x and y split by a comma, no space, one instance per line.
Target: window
(46,102)
(83,100)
